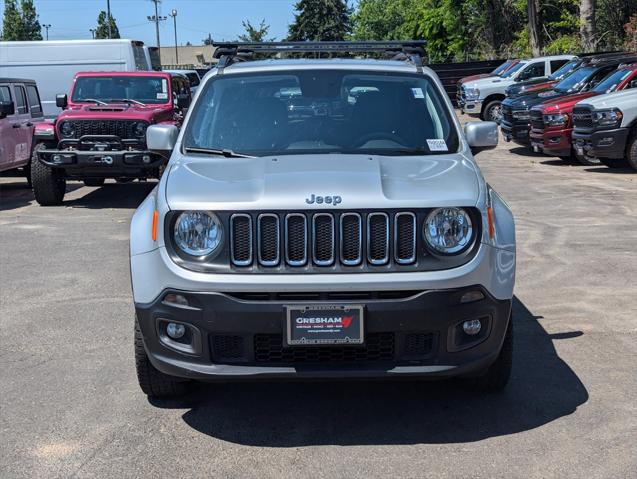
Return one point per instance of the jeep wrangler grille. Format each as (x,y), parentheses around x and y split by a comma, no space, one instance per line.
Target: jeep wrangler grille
(120,128)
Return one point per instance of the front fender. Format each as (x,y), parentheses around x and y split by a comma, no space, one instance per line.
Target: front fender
(141,227)
(44,131)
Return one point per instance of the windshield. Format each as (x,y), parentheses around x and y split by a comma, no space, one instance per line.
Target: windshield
(564,70)
(575,81)
(144,89)
(514,69)
(321,111)
(502,67)
(609,83)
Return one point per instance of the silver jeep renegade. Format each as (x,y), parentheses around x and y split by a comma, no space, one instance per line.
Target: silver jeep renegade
(322,218)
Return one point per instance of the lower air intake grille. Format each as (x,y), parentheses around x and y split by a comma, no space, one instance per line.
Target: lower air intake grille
(269,348)
(227,348)
(418,345)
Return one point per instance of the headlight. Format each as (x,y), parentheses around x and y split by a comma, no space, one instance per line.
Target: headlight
(139,129)
(472,93)
(556,120)
(198,233)
(67,129)
(607,117)
(522,115)
(448,230)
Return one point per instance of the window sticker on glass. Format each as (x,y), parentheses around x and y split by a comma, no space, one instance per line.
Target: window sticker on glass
(164,86)
(437,145)
(162,96)
(417,92)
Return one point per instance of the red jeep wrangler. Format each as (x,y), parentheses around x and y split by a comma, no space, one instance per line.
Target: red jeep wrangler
(102,131)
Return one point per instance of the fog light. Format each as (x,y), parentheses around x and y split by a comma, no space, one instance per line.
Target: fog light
(471,327)
(179,299)
(176,331)
(471,296)
(146,159)
(57,158)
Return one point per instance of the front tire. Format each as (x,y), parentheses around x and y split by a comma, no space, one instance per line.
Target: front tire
(496,377)
(631,151)
(49,184)
(492,111)
(153,382)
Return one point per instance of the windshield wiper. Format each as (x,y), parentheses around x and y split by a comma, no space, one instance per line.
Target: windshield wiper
(224,152)
(93,100)
(128,100)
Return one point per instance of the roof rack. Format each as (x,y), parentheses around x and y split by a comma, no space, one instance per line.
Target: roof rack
(231,52)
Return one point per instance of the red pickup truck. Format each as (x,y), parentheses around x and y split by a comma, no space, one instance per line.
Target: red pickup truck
(102,131)
(552,121)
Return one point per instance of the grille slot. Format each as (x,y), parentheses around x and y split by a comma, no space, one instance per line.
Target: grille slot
(323,234)
(507,113)
(378,238)
(227,348)
(269,348)
(405,238)
(537,120)
(582,118)
(351,239)
(241,239)
(418,345)
(296,239)
(269,239)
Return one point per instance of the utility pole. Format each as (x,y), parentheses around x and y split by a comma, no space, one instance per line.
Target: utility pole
(47,26)
(174,15)
(92,30)
(108,19)
(156,19)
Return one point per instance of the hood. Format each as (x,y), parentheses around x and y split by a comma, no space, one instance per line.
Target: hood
(288,181)
(528,100)
(475,77)
(524,87)
(490,81)
(613,100)
(114,111)
(564,104)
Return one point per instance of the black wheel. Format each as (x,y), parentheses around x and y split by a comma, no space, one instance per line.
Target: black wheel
(49,184)
(587,160)
(614,163)
(154,383)
(492,111)
(94,181)
(496,376)
(631,151)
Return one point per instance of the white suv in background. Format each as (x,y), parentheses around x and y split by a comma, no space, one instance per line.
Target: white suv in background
(483,97)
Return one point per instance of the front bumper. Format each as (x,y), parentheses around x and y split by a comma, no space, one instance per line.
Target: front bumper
(236,337)
(470,107)
(602,144)
(516,132)
(106,164)
(552,142)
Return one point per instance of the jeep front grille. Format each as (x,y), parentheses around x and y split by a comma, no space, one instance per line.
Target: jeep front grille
(322,239)
(120,128)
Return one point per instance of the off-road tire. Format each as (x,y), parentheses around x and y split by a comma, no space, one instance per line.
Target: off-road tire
(49,184)
(94,181)
(496,377)
(154,383)
(631,150)
(487,113)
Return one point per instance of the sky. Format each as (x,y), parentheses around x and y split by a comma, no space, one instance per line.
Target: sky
(73,19)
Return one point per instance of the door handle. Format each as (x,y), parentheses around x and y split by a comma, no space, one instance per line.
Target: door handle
(16,125)
(29,124)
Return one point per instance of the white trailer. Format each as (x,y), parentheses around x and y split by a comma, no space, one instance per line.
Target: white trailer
(52,64)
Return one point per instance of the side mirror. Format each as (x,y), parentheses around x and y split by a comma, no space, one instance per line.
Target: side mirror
(61,101)
(633,83)
(481,135)
(161,138)
(183,101)
(6,108)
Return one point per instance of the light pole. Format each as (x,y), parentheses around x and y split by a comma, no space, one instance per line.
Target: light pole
(174,15)
(47,26)
(108,18)
(93,30)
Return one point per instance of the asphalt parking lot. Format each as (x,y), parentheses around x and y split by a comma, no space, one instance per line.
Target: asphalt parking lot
(71,407)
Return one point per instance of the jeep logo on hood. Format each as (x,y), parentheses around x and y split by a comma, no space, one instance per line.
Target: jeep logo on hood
(328,200)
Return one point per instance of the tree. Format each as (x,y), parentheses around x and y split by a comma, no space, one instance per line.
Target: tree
(386,20)
(102,27)
(318,20)
(12,27)
(587,24)
(31,29)
(255,34)
(534,27)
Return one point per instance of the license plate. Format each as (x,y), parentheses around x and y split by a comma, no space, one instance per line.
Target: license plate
(324,325)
